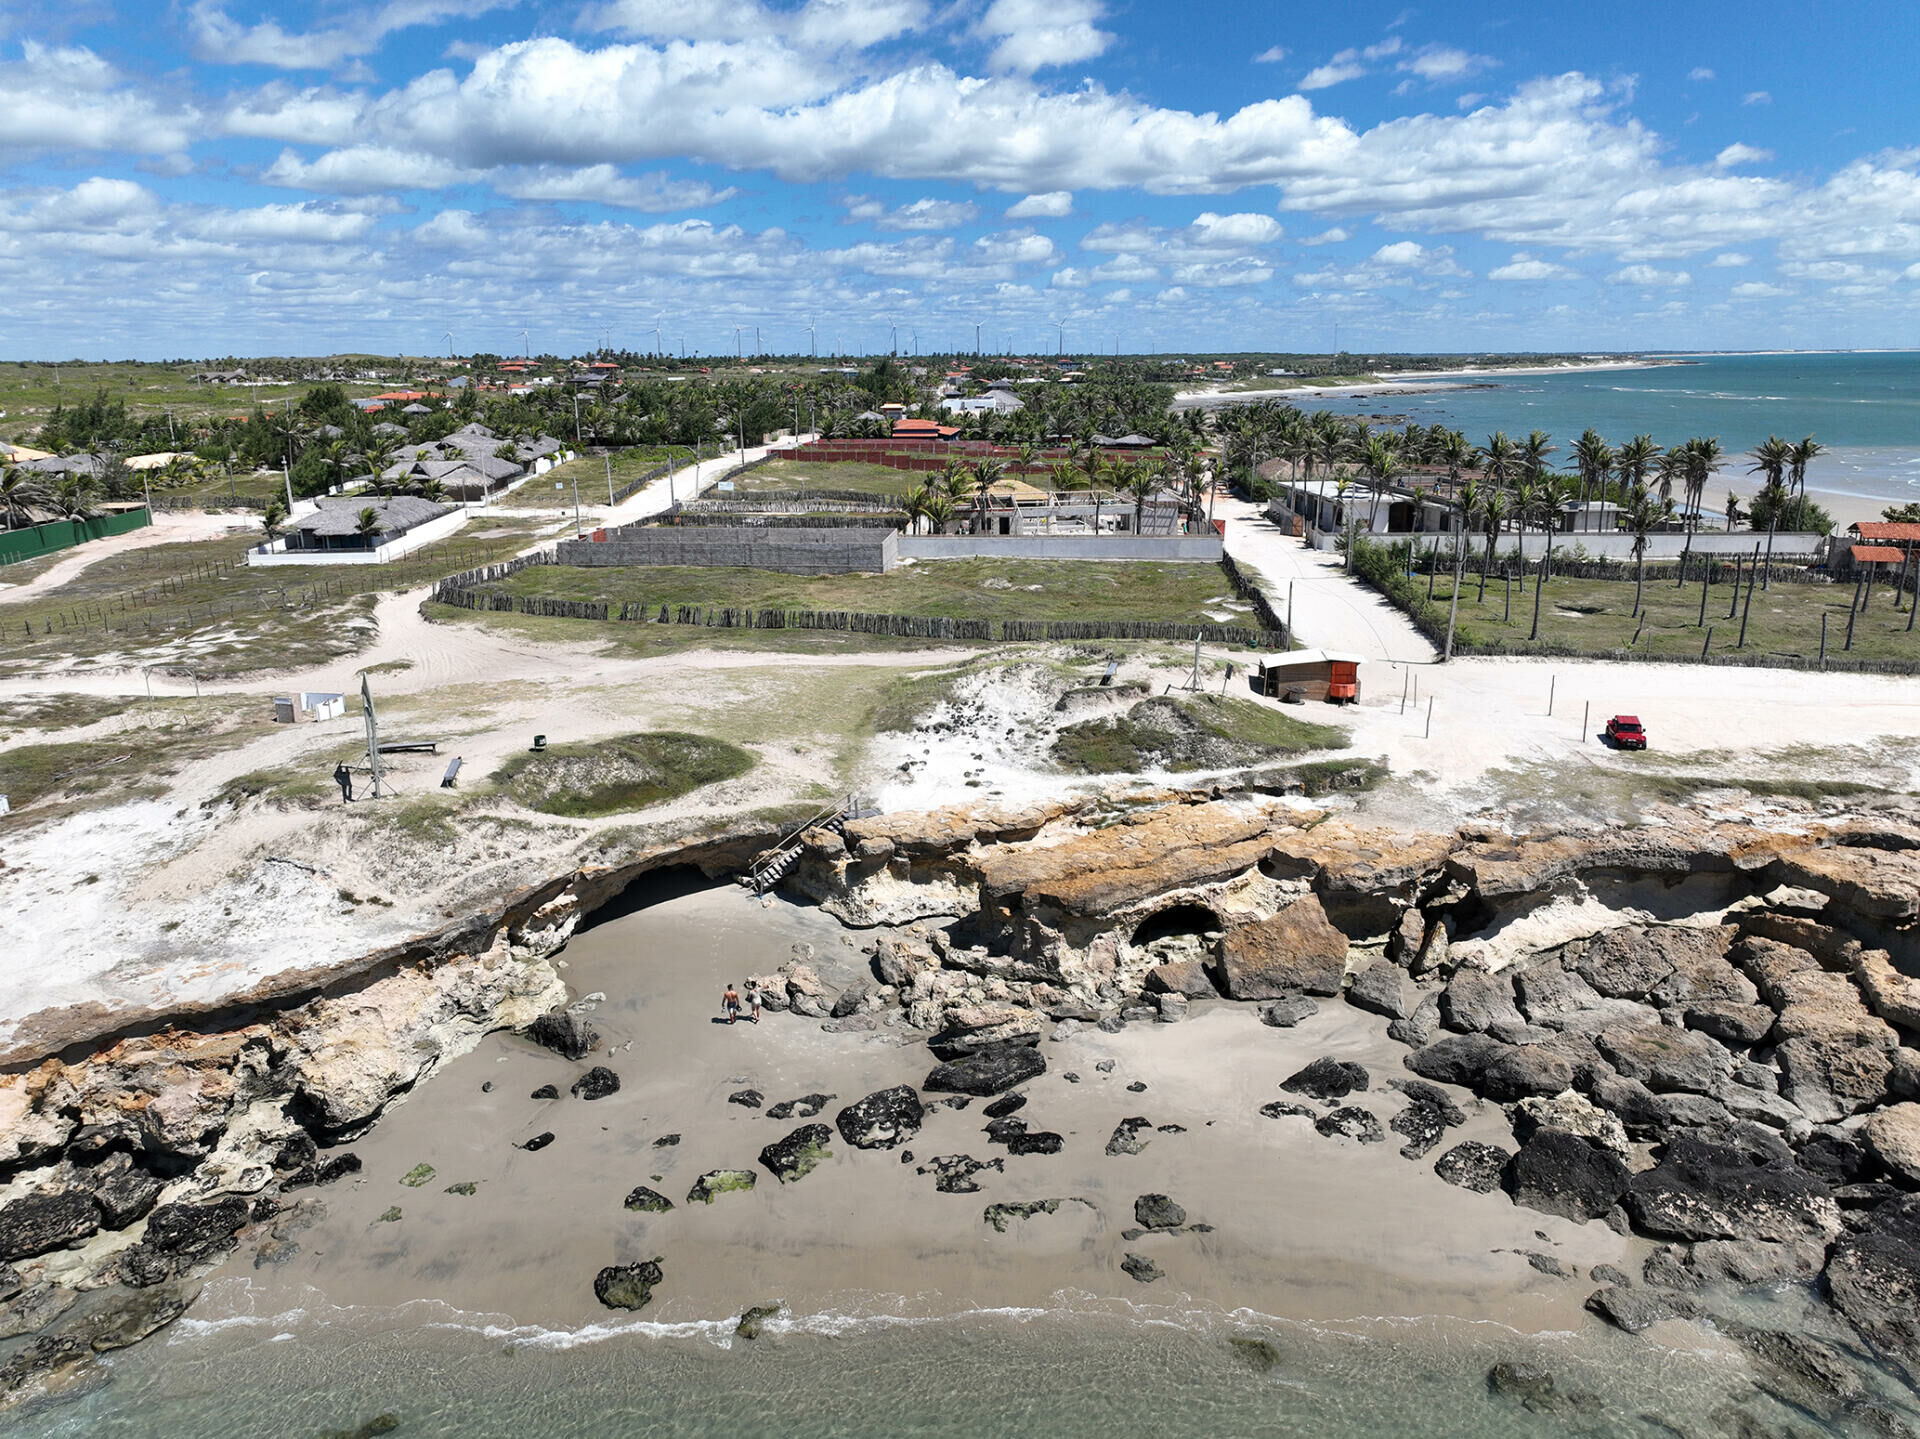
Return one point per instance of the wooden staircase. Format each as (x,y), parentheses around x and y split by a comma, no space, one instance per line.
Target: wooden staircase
(772,865)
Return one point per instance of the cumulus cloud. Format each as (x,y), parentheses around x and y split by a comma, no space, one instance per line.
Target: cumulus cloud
(1439,64)
(1647,276)
(365,169)
(605,185)
(1031,35)
(220,39)
(1335,236)
(1730,260)
(1404,252)
(1757,290)
(922,214)
(1053,205)
(67,98)
(1738,154)
(1527,267)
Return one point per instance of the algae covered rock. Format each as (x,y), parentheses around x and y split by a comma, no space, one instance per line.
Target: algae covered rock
(882,1120)
(628,1286)
(721,1181)
(648,1201)
(794,1157)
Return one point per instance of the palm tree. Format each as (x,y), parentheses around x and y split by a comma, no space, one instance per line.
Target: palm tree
(1533,454)
(986,474)
(1733,512)
(1142,483)
(1496,458)
(1703,459)
(1493,510)
(1633,461)
(939,510)
(1802,454)
(1454,452)
(1643,515)
(915,505)
(17,487)
(72,495)
(366,524)
(274,518)
(1549,493)
(1380,463)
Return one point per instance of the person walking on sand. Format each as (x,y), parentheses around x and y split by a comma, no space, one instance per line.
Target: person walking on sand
(343,777)
(753,999)
(730,1002)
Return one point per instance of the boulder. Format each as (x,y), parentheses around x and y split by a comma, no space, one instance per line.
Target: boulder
(1419,1027)
(1350,1122)
(884,1119)
(1040,1141)
(1001,1215)
(805,1107)
(1534,1388)
(1530,1069)
(1837,1156)
(596,1083)
(1380,988)
(196,1230)
(1297,951)
(773,992)
(1156,1211)
(1554,997)
(1735,1263)
(1127,1134)
(794,1157)
(1473,1165)
(1816,1005)
(1327,1078)
(1873,1278)
(1636,1106)
(1738,1026)
(1893,1135)
(1285,1013)
(1139,1267)
(1664,1058)
(1426,1119)
(716,1182)
(1636,1309)
(1664,965)
(1474,1001)
(1457,1059)
(123,1190)
(627,1286)
(1893,996)
(1561,1173)
(1172,1007)
(1829,1079)
(747,1098)
(565,1033)
(1408,938)
(648,1201)
(537,1143)
(1701,1190)
(976,1027)
(853,998)
(545,1091)
(1182,976)
(991,1071)
(1007,1104)
(42,1222)
(1573,1114)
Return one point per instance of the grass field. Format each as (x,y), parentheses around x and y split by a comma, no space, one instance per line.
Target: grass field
(133,762)
(589,472)
(943,589)
(1596,616)
(788,475)
(29,390)
(1204,732)
(587,781)
(197,607)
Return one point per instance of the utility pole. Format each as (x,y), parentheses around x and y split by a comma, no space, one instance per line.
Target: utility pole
(609,460)
(576,505)
(373,733)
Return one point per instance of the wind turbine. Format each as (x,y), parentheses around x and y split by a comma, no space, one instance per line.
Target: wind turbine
(894,331)
(738,352)
(756,341)
(916,340)
(1063,337)
(976,337)
(656,336)
(813,347)
(523,345)
(449,344)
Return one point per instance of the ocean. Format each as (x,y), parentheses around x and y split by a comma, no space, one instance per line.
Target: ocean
(1865,408)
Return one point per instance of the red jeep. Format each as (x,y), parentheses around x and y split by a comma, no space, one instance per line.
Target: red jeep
(1625,732)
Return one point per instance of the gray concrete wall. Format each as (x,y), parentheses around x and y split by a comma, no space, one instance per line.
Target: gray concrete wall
(794,552)
(1198,548)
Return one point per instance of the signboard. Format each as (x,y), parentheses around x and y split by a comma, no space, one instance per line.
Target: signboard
(724,485)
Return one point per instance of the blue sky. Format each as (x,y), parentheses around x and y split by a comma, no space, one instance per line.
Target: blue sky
(202,177)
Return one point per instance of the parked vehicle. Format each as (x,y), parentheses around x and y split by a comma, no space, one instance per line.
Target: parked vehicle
(1626,732)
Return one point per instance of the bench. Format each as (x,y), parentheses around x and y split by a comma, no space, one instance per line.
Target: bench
(410,746)
(453,773)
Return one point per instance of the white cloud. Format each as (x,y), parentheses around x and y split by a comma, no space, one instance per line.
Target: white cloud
(1526,267)
(67,98)
(365,169)
(1738,154)
(1730,260)
(1756,97)
(1700,72)
(1126,267)
(1335,236)
(318,115)
(1272,55)
(1648,276)
(1404,252)
(605,185)
(1053,205)
(1439,64)
(1031,35)
(1334,72)
(222,40)
(1211,231)
(826,25)
(1757,290)
(922,214)
(1070,278)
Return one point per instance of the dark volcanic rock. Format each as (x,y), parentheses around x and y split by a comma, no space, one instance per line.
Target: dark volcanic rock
(546,1091)
(1526,1070)
(1637,1108)
(991,1071)
(722,1181)
(883,1119)
(1139,1086)
(1039,1142)
(1873,1278)
(627,1286)
(1285,1013)
(1126,1136)
(747,1098)
(565,1034)
(1281,1109)
(1426,1119)
(666,1141)
(1006,1104)
(648,1201)
(805,1107)
(1001,1215)
(596,1083)
(1142,1268)
(1560,1173)
(537,1143)
(1636,1309)
(1710,1191)
(1457,1059)
(1835,1156)
(41,1222)
(196,1230)
(1327,1078)
(798,1154)
(1420,1026)
(124,1192)
(1351,1122)
(1156,1211)
(953,1173)
(1739,1026)
(1005,1128)
(1474,1001)
(1534,1388)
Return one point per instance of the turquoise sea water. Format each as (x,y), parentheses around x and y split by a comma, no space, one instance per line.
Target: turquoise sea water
(1864,407)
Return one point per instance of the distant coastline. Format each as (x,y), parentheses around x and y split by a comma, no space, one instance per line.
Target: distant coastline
(1409,382)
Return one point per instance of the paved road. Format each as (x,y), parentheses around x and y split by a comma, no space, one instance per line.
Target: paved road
(1330,611)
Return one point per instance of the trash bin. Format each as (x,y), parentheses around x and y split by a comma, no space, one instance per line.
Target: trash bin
(539,743)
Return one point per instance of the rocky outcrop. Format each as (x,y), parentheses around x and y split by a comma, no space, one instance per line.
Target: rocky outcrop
(988,1072)
(628,1286)
(1701,1190)
(1327,1079)
(794,1157)
(1893,1135)
(1561,1173)
(882,1120)
(1297,951)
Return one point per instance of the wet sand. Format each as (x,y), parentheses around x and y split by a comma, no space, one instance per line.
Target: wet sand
(1306,1228)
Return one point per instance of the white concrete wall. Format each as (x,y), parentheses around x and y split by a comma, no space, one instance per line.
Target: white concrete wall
(414,539)
(1198,548)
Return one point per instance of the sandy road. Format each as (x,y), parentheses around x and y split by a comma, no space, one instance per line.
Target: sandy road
(168,528)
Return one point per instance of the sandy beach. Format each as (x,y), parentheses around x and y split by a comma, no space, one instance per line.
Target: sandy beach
(1304,1227)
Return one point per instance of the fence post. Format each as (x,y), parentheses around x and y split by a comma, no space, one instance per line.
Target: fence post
(1707,643)
(1823,638)
(1586,716)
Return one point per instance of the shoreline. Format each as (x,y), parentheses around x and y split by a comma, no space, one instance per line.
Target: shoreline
(1405,382)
